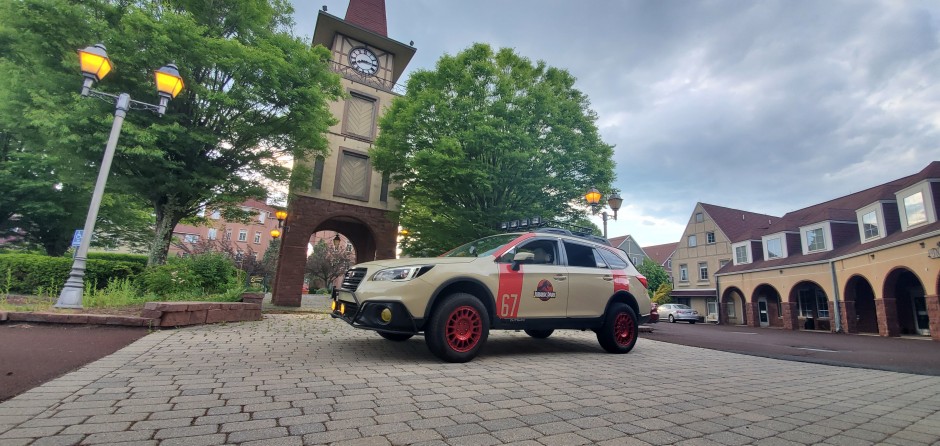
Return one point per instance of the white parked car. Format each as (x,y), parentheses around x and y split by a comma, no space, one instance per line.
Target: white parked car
(678,312)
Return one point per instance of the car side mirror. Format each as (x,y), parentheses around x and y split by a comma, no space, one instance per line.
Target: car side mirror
(521,257)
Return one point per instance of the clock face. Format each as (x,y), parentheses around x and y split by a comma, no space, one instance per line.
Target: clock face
(364,61)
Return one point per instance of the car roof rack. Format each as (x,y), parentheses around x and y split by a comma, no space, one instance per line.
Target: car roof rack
(575,231)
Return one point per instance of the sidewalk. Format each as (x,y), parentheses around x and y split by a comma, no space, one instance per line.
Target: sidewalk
(307,379)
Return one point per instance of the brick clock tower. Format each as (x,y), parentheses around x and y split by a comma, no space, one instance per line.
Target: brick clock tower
(344,193)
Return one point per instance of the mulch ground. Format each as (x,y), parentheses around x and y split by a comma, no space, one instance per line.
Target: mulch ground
(31,354)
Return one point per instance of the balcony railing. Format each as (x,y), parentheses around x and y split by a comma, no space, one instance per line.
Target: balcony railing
(350,73)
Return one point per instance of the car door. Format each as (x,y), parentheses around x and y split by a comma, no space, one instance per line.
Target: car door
(591,282)
(538,288)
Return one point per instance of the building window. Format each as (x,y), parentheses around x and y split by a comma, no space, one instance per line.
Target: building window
(740,255)
(353,175)
(261,216)
(349,248)
(775,247)
(702,271)
(360,116)
(683,273)
(243,235)
(190,238)
(257,238)
(813,303)
(870,225)
(699,217)
(684,301)
(722,263)
(212,234)
(383,193)
(636,260)
(228,235)
(914,209)
(730,309)
(216,214)
(815,240)
(318,173)
(693,241)
(669,264)
(710,238)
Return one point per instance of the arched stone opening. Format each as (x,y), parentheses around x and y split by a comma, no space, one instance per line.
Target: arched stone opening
(766,308)
(733,309)
(372,233)
(330,254)
(813,309)
(904,305)
(859,311)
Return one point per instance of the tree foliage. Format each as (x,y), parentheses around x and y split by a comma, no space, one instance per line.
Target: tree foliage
(488,136)
(253,94)
(655,274)
(661,296)
(326,263)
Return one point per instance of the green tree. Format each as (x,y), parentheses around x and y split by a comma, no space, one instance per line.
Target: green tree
(488,136)
(655,274)
(254,94)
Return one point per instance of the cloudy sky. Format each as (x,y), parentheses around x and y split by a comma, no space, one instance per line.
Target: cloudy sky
(766,106)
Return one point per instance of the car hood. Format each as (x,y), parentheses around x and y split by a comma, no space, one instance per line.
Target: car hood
(391,263)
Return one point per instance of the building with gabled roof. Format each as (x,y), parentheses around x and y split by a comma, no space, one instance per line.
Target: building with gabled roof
(662,255)
(705,247)
(630,246)
(866,262)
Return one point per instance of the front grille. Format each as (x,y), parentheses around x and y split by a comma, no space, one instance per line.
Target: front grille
(353,278)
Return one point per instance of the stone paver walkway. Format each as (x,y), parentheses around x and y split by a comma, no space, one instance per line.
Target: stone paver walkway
(307,379)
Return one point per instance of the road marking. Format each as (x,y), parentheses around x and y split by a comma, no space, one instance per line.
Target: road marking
(816,349)
(742,332)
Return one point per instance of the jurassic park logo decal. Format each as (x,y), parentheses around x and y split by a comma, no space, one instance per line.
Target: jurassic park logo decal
(545,291)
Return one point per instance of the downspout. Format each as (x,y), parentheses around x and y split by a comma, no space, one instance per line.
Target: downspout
(835,297)
(718,299)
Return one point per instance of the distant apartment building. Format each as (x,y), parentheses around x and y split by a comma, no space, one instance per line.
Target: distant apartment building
(251,238)
(629,245)
(704,249)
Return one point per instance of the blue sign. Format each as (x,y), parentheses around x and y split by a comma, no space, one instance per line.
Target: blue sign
(77,238)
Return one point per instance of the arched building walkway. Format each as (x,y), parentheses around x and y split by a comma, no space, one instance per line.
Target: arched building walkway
(766,308)
(904,306)
(858,311)
(733,309)
(813,310)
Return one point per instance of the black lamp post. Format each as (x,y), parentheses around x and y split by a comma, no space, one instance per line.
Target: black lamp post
(95,65)
(593,198)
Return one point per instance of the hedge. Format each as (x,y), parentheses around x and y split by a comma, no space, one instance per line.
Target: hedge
(39,274)
(119,257)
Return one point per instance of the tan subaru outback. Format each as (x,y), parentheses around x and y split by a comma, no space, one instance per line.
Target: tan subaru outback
(538,281)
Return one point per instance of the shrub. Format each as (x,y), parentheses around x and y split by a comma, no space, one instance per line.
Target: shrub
(208,273)
(39,274)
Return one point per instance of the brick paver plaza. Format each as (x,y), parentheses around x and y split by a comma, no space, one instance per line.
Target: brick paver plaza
(306,379)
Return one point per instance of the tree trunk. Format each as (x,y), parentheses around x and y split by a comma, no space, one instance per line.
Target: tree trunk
(168,215)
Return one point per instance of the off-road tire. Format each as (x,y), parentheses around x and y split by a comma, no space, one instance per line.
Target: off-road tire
(540,334)
(458,328)
(397,337)
(620,330)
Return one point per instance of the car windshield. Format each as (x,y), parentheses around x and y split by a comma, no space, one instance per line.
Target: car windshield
(683,307)
(481,247)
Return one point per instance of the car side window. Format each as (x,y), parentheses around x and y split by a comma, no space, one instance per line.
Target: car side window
(584,256)
(613,260)
(545,252)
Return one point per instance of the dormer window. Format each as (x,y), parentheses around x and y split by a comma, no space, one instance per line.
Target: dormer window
(914,209)
(870,225)
(816,238)
(774,248)
(742,253)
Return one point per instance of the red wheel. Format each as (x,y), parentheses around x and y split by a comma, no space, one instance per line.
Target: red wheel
(458,328)
(619,332)
(624,330)
(464,329)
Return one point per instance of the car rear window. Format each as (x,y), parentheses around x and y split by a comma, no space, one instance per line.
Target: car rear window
(612,259)
(581,255)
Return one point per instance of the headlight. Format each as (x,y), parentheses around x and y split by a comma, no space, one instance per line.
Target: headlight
(400,274)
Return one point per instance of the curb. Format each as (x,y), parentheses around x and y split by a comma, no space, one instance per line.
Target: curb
(92,319)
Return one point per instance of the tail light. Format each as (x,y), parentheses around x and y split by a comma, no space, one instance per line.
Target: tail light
(642,280)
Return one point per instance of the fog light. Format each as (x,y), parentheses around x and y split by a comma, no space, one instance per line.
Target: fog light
(386,315)
(342,308)
(333,306)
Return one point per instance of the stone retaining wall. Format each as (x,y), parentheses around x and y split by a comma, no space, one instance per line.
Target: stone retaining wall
(155,314)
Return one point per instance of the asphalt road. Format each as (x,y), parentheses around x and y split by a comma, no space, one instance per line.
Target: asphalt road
(917,355)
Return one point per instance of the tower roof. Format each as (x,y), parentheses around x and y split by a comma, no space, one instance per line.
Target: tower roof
(368,14)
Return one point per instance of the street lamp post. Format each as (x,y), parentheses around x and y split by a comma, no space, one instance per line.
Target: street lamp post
(281,216)
(593,198)
(95,66)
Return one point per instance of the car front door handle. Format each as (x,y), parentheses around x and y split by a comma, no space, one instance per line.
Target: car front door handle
(561,277)
(608,278)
